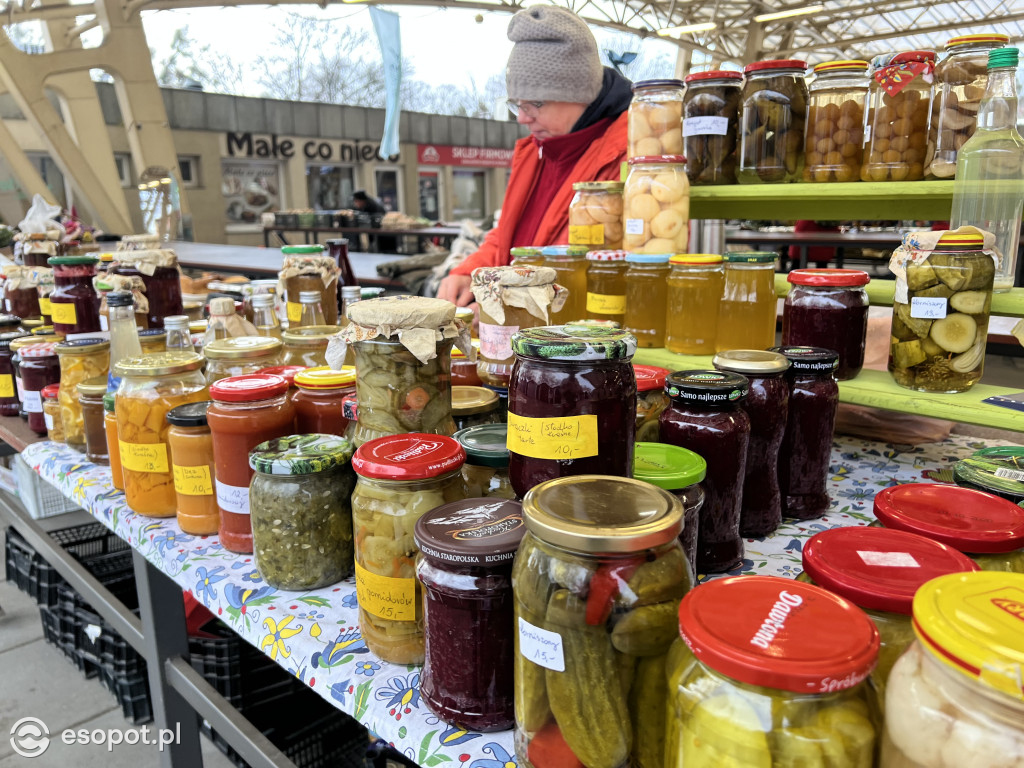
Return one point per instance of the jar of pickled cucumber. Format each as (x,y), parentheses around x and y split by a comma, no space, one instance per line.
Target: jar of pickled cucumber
(472,406)
(529,255)
(606,285)
(771,672)
(399,479)
(651,400)
(678,471)
(656,118)
(711,110)
(595,215)
(307,346)
(695,286)
(486,469)
(597,582)
(570,265)
(656,201)
(748,309)
(80,359)
(646,297)
(834,150)
(240,355)
(772,116)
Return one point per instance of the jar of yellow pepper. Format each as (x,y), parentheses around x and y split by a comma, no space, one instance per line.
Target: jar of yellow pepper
(80,359)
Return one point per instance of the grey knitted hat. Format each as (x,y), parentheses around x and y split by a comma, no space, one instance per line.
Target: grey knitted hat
(554,58)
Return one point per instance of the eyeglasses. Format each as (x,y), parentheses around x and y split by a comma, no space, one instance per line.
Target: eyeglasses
(528,108)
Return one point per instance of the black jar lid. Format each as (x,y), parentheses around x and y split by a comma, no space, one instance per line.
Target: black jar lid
(190,414)
(713,389)
(476,532)
(7,338)
(120,299)
(810,359)
(9,321)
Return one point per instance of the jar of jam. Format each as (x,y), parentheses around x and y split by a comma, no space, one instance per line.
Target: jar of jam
(90,398)
(646,297)
(710,125)
(806,451)
(21,295)
(606,286)
(80,359)
(39,367)
(308,268)
(38,247)
(527,256)
(51,413)
(307,346)
(16,345)
(651,400)
(246,411)
(44,287)
(485,472)
(113,445)
(193,468)
(695,288)
(464,372)
(240,355)
(9,403)
(571,404)
(472,406)
(828,308)
(656,118)
(160,274)
(705,417)
(569,263)
(998,470)
(465,567)
(318,400)
(399,479)
(74,305)
(767,406)
(656,201)
(834,149)
(749,305)
(153,341)
(595,215)
(772,118)
(597,582)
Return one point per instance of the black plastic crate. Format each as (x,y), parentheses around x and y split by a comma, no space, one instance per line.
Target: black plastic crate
(51,628)
(20,563)
(132,693)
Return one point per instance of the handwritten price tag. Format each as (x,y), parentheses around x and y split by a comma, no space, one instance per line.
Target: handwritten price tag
(144,457)
(571,437)
(386,596)
(928,307)
(193,481)
(294,312)
(540,646)
(606,304)
(232,498)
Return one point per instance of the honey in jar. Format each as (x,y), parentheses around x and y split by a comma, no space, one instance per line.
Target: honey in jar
(570,265)
(694,290)
(606,286)
(747,312)
(646,296)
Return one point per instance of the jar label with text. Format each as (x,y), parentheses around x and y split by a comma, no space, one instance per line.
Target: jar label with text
(586,234)
(44,305)
(63,313)
(193,481)
(232,498)
(32,401)
(48,419)
(541,646)
(606,304)
(635,226)
(707,125)
(7,385)
(385,596)
(567,437)
(496,341)
(294,312)
(144,457)
(928,307)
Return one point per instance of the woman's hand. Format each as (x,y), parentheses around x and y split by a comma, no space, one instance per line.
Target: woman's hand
(455,288)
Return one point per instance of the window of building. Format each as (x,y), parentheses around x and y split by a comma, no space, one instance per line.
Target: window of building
(52,176)
(469,194)
(188,169)
(430,194)
(389,192)
(330,187)
(250,189)
(123,163)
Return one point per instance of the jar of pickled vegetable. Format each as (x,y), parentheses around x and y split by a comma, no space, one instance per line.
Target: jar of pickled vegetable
(308,268)
(527,256)
(828,308)
(464,372)
(485,472)
(113,445)
(711,109)
(20,291)
(38,367)
(52,413)
(318,400)
(595,215)
(749,306)
(695,287)
(80,359)
(240,355)
(834,150)
(571,404)
(656,201)
(651,400)
(9,403)
(74,305)
(90,399)
(899,103)
(986,528)
(646,297)
(193,468)
(597,582)
(162,279)
(307,346)
(465,567)
(399,479)
(772,117)
(771,672)
(606,285)
(656,118)
(998,470)
(472,406)
(301,513)
(569,263)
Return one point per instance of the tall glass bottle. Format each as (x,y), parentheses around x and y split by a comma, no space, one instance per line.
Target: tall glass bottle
(124,336)
(178,337)
(221,308)
(264,317)
(989,188)
(312,309)
(350,294)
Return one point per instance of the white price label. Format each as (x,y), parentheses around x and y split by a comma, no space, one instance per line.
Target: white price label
(889,559)
(928,307)
(232,498)
(48,418)
(711,125)
(540,646)
(867,135)
(1010,474)
(634,226)
(32,401)
(496,341)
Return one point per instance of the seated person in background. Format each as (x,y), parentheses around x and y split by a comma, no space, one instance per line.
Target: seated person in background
(821,255)
(371,205)
(576,112)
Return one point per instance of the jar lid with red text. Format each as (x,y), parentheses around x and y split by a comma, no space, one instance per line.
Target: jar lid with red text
(760,66)
(412,456)
(248,388)
(832,278)
(714,74)
(779,633)
(649,377)
(480,532)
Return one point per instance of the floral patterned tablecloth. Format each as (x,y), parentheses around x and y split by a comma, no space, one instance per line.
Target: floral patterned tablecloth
(316,636)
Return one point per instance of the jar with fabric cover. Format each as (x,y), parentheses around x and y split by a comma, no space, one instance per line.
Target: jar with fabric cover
(90,398)
(569,263)
(21,294)
(318,399)
(161,276)
(695,287)
(595,215)
(835,121)
(80,359)
(656,118)
(606,286)
(486,469)
(51,413)
(193,468)
(711,110)
(307,268)
(105,284)
(38,247)
(240,355)
(307,345)
(74,305)
(772,119)
(141,242)
(656,201)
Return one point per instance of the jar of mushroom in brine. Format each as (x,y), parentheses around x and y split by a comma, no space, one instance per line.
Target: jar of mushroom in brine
(657,205)
(834,149)
(774,105)
(655,118)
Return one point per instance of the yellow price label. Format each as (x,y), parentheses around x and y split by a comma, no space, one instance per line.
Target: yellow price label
(294,312)
(144,457)
(6,385)
(193,481)
(44,305)
(63,313)
(586,234)
(606,304)
(570,437)
(385,596)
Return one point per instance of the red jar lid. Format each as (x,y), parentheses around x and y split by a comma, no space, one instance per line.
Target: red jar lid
(779,633)
(286,372)
(969,520)
(839,278)
(714,74)
(879,568)
(248,388)
(649,377)
(757,66)
(43,349)
(50,391)
(413,456)
(657,159)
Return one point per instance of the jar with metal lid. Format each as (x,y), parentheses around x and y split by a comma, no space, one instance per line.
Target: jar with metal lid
(307,345)
(151,386)
(74,305)
(301,513)
(606,285)
(472,406)
(772,117)
(288,373)
(695,287)
(651,400)
(90,399)
(464,369)
(10,323)
(705,417)
(960,81)
(571,404)
(154,341)
(527,256)
(246,411)
(52,413)
(80,359)
(308,268)
(828,308)
(9,403)
(834,150)
(595,215)
(711,109)
(16,345)
(998,470)
(569,263)
(485,472)
(597,582)
(318,400)
(771,672)
(656,201)
(986,528)
(656,118)
(161,276)
(193,468)
(20,291)
(899,104)
(399,479)
(465,567)
(646,297)
(240,355)
(38,367)
(113,445)
(749,305)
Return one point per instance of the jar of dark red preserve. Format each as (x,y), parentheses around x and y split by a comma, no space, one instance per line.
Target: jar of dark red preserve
(74,305)
(39,367)
(9,403)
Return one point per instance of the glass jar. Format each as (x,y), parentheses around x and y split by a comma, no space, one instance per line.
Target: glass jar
(308,268)
(301,513)
(695,287)
(656,118)
(597,582)
(9,403)
(941,313)
(80,359)
(160,274)
(153,341)
(828,308)
(834,150)
(570,265)
(656,200)
(318,400)
(20,291)
(527,256)
(998,470)
(90,398)
(711,109)
(16,345)
(52,413)
(150,387)
(606,286)
(399,479)
(595,215)
(646,298)
(777,665)
(960,80)
(44,287)
(705,417)
(485,472)
(240,355)
(246,411)
(986,528)
(307,346)
(289,372)
(38,248)
(472,406)
(651,400)
(749,305)
(464,369)
(899,103)
(38,367)
(772,118)
(571,404)
(465,567)
(113,445)
(193,468)
(74,305)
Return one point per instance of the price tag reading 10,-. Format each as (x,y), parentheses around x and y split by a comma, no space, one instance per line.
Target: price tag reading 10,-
(569,437)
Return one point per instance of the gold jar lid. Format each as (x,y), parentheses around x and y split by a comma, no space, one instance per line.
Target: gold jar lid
(31,324)
(242,347)
(309,335)
(467,401)
(85,346)
(94,387)
(752,361)
(22,341)
(159,364)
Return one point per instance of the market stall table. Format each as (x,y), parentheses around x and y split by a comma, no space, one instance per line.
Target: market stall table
(444,234)
(884,241)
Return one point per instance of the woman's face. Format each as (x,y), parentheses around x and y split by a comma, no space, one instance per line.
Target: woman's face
(553,118)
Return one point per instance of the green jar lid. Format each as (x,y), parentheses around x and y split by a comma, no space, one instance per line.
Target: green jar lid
(70,261)
(564,251)
(668,466)
(485,444)
(574,342)
(108,402)
(300,454)
(750,257)
(303,250)
(528,250)
(998,470)
(1003,57)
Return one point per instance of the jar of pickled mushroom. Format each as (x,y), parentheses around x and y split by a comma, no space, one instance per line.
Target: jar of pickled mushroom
(998,470)
(240,355)
(646,297)
(899,103)
(656,118)
(749,305)
(771,671)
(597,582)
(113,445)
(9,403)
(161,276)
(399,479)
(193,468)
(529,255)
(711,110)
(485,472)
(20,291)
(651,400)
(834,150)
(74,305)
(772,116)
(51,413)
(472,406)
(595,215)
(570,264)
(80,359)
(90,398)
(308,268)
(606,285)
(38,368)
(307,345)
(695,287)
(656,201)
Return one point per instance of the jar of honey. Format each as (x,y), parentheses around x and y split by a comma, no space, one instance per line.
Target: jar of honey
(695,287)
(646,297)
(307,346)
(606,286)
(570,265)
(529,255)
(747,312)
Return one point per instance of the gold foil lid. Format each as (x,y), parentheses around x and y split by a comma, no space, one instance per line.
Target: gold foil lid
(309,335)
(94,387)
(242,347)
(750,361)
(467,401)
(159,364)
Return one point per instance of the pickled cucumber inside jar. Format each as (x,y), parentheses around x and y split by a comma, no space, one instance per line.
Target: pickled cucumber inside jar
(485,472)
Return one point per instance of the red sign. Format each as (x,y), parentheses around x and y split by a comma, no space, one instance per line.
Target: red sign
(477,157)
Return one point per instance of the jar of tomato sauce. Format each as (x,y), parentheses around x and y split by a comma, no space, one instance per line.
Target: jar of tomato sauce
(318,400)
(74,305)
(193,468)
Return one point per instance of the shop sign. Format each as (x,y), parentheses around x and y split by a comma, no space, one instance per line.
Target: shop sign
(476,157)
(275,148)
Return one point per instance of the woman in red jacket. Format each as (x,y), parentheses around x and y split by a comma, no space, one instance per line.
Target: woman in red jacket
(576,112)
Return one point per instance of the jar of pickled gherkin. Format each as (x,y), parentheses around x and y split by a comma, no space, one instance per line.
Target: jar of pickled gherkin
(318,399)
(597,582)
(595,215)
(771,671)
(711,109)
(399,479)
(240,355)
(161,277)
(80,359)
(308,268)
(485,472)
(472,406)
(301,513)
(651,400)
(646,297)
(998,470)
(656,202)
(569,263)
(527,256)
(606,285)
(749,305)
(90,399)
(834,150)
(772,116)
(656,118)
(695,287)
(307,346)
(51,413)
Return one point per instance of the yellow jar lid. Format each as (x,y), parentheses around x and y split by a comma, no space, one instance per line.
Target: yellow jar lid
(310,335)
(32,324)
(956,42)
(158,364)
(974,623)
(93,387)
(696,258)
(847,65)
(467,401)
(324,377)
(962,240)
(197,326)
(241,347)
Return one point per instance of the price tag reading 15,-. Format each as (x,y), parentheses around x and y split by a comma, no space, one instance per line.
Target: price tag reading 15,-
(569,437)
